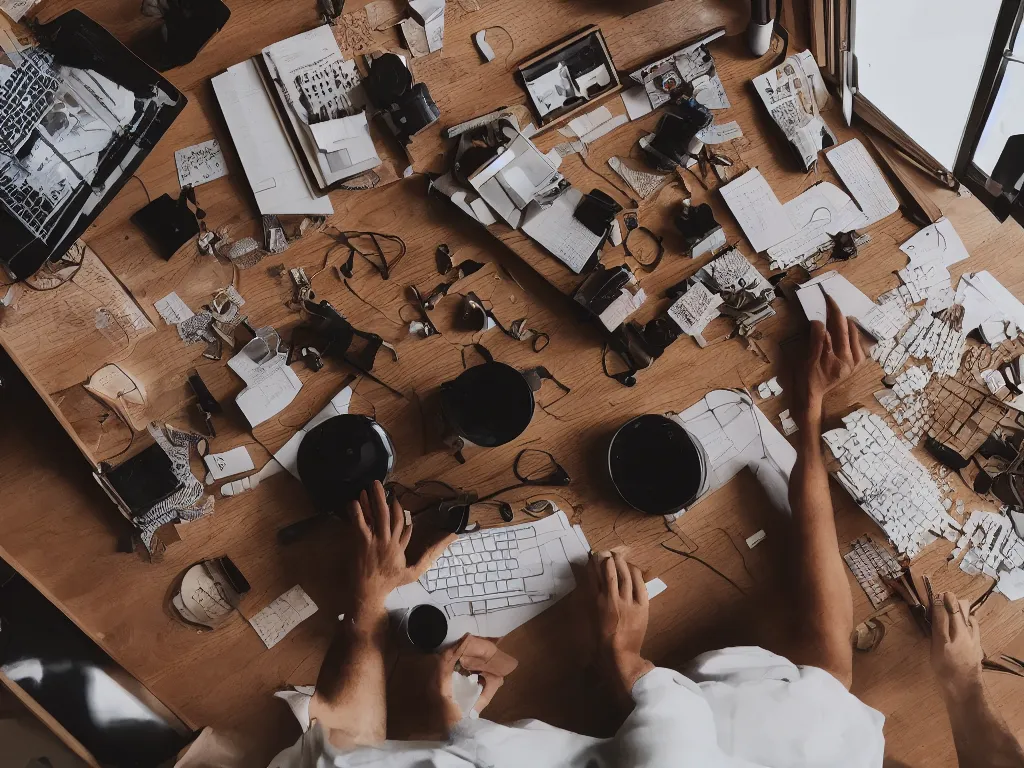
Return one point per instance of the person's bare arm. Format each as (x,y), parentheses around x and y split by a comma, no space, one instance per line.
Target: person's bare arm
(350,698)
(823,597)
(982,738)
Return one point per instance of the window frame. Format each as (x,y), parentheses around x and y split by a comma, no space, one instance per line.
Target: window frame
(1008,24)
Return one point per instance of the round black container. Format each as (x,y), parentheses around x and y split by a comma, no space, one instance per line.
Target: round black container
(488,405)
(341,457)
(655,465)
(426,627)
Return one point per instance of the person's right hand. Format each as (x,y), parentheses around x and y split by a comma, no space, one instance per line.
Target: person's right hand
(835,350)
(384,532)
(479,656)
(956,643)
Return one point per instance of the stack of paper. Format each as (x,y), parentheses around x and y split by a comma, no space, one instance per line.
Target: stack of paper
(270,383)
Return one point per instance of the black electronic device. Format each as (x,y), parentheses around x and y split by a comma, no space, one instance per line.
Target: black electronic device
(489,404)
(167,223)
(655,465)
(144,480)
(341,457)
(407,106)
(676,140)
(74,50)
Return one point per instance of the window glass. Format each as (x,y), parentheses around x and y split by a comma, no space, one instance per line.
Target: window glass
(919,63)
(1007,116)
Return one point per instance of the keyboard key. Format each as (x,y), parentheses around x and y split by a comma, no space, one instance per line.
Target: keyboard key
(445,573)
(478,589)
(452,582)
(479,606)
(519,600)
(525,533)
(514,563)
(431,585)
(475,558)
(470,568)
(497,602)
(465,591)
(502,586)
(478,545)
(465,580)
(492,566)
(480,578)
(489,545)
(490,588)
(516,584)
(453,593)
(504,574)
(532,569)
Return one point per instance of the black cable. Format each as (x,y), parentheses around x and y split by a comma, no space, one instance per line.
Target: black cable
(707,565)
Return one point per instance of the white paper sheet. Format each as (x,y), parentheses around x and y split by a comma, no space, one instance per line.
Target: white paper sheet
(816,214)
(233,462)
(882,324)
(172,309)
(719,134)
(282,616)
(200,163)
(862,177)
(937,242)
(16,9)
(559,232)
(758,210)
(270,166)
(548,547)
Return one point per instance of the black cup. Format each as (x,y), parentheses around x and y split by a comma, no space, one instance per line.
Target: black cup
(426,626)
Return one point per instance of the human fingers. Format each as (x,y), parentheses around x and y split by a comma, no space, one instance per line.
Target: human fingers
(611,576)
(965,612)
(491,684)
(381,513)
(398,521)
(594,569)
(817,341)
(624,577)
(952,605)
(406,536)
(481,654)
(431,554)
(639,587)
(367,512)
(940,619)
(355,511)
(856,343)
(838,329)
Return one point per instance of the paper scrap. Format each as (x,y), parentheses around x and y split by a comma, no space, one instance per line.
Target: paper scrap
(430,14)
(817,214)
(16,9)
(655,587)
(758,210)
(858,171)
(172,309)
(382,14)
(282,616)
(719,134)
(415,38)
(233,462)
(789,426)
(585,123)
(271,383)
(757,538)
(695,309)
(769,389)
(200,163)
(559,232)
(937,242)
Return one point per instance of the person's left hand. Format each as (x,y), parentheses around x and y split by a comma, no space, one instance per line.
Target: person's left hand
(380,562)
(477,655)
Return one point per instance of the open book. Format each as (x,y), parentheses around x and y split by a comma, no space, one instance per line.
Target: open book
(320,110)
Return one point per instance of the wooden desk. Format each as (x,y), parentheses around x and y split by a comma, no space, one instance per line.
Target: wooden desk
(55,524)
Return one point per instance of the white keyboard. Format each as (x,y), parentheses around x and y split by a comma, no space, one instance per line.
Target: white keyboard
(489,565)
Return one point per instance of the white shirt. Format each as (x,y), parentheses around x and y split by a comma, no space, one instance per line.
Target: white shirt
(738,707)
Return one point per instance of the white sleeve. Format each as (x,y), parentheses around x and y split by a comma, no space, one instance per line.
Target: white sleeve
(671,724)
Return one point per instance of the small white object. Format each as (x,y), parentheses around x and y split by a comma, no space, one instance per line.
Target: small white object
(655,587)
(483,46)
(466,690)
(233,462)
(431,15)
(719,134)
(756,539)
(788,425)
(615,233)
(637,102)
(279,618)
(200,163)
(759,37)
(172,309)
(8,298)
